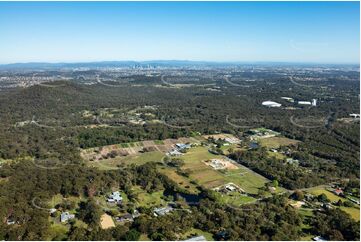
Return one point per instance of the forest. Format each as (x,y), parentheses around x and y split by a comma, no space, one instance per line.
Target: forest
(44,127)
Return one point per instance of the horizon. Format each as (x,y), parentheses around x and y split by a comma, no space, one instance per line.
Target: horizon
(223,32)
(179,60)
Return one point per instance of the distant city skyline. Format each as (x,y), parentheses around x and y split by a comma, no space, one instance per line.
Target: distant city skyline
(295,32)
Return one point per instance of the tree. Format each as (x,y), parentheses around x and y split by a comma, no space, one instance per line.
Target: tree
(89,212)
(335,235)
(298,195)
(274,183)
(323,198)
(132,235)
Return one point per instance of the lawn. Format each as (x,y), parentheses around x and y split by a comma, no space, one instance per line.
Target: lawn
(354,212)
(276,155)
(319,190)
(306,212)
(58,199)
(247,179)
(276,142)
(145,199)
(234,198)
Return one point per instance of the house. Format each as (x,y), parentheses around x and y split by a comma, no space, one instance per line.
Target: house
(230,187)
(354,115)
(304,103)
(174,153)
(135,213)
(232,140)
(10,221)
(65,216)
(272,189)
(197,238)
(181,146)
(292,161)
(327,206)
(52,210)
(288,99)
(115,197)
(125,218)
(338,192)
(271,104)
(216,164)
(253,145)
(162,211)
(309,196)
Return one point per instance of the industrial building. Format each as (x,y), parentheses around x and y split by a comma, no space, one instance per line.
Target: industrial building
(271,104)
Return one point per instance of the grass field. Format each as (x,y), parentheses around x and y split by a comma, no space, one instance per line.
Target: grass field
(234,198)
(276,155)
(276,142)
(58,199)
(145,199)
(354,212)
(247,179)
(199,171)
(183,182)
(210,178)
(319,190)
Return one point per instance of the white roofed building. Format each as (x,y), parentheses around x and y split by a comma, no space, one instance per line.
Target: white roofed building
(304,103)
(271,104)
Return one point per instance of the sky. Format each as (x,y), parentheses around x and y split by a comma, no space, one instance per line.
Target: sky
(318,32)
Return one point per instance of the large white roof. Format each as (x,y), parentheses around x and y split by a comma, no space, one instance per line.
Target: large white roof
(271,104)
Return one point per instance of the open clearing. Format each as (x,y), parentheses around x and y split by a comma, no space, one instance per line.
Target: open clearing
(276,142)
(182,181)
(210,178)
(319,190)
(228,137)
(112,155)
(141,158)
(200,172)
(234,198)
(106,221)
(145,199)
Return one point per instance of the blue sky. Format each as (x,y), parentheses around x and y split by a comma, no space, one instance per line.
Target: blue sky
(322,32)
